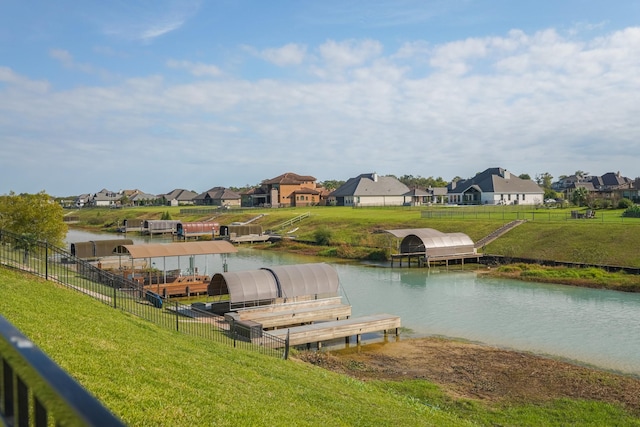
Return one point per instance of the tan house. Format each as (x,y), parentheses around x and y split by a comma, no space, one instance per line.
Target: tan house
(288,189)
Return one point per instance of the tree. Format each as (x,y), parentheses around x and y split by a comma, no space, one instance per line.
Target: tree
(34,216)
(580,196)
(544,180)
(331,184)
(524,176)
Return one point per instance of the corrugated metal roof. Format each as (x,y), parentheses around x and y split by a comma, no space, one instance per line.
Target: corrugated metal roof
(431,238)
(243,286)
(158,250)
(287,281)
(306,279)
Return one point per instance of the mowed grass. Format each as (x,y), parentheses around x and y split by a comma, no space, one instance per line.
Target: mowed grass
(155,377)
(150,376)
(609,239)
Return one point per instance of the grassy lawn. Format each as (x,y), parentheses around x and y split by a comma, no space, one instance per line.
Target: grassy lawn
(152,376)
(608,239)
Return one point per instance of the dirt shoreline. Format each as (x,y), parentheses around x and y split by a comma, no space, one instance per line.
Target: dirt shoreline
(480,372)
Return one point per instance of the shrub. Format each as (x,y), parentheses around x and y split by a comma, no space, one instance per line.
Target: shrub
(625,203)
(322,236)
(632,212)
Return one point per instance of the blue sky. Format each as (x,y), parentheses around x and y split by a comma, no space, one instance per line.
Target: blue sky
(158,95)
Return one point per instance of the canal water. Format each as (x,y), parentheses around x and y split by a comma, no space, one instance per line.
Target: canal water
(589,326)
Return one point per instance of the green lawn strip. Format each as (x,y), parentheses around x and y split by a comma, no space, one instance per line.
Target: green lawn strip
(608,239)
(560,412)
(152,376)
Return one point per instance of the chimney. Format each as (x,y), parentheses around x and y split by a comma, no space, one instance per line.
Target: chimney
(374,176)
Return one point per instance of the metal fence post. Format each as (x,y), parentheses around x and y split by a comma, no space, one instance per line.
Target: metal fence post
(286,346)
(46,260)
(177,316)
(114,294)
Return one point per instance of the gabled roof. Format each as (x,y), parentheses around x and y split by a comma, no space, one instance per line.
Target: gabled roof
(289,178)
(142,196)
(305,190)
(371,184)
(609,180)
(495,180)
(218,193)
(180,195)
(417,192)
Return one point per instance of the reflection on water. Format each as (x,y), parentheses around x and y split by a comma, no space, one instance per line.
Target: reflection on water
(592,326)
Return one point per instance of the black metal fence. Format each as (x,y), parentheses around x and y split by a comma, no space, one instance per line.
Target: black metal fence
(56,264)
(34,391)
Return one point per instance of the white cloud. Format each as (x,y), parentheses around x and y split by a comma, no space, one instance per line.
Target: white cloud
(67,61)
(289,54)
(197,69)
(349,53)
(531,103)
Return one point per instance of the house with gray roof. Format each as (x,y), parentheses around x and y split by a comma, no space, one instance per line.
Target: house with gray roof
(218,196)
(370,189)
(495,186)
(105,197)
(179,197)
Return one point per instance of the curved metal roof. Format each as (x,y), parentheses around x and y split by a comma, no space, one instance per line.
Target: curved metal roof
(253,285)
(430,239)
(158,250)
(286,281)
(306,279)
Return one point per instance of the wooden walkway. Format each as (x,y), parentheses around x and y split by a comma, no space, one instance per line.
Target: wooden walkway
(294,313)
(433,259)
(325,331)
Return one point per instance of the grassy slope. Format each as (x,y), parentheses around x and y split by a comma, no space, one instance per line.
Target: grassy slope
(607,241)
(151,376)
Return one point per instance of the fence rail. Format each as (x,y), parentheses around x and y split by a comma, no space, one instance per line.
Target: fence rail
(513,214)
(34,391)
(56,264)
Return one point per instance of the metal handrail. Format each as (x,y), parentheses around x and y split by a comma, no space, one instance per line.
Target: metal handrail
(27,370)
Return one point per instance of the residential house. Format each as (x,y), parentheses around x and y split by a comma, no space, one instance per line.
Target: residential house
(370,189)
(495,186)
(279,191)
(419,197)
(139,198)
(179,197)
(105,198)
(83,200)
(218,196)
(629,191)
(610,186)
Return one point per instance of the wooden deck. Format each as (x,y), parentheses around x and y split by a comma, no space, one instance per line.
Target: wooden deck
(250,238)
(325,331)
(430,260)
(293,314)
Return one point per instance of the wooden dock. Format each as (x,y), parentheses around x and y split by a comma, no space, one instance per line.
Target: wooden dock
(293,313)
(325,331)
(428,260)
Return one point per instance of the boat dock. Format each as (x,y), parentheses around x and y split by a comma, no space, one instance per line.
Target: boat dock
(326,331)
(293,313)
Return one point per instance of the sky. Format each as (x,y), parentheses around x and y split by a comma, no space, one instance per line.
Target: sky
(158,95)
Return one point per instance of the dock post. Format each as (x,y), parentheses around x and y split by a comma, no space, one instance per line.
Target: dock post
(358,339)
